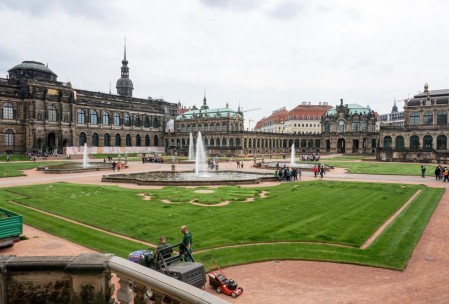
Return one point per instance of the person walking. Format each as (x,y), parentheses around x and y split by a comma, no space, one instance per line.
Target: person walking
(8,159)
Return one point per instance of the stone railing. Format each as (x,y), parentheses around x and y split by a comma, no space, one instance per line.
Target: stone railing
(91,278)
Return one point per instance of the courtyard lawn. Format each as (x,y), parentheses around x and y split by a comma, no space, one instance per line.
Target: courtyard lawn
(15,168)
(381,168)
(14,157)
(323,220)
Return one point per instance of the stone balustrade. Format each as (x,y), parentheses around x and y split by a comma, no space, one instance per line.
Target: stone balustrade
(87,278)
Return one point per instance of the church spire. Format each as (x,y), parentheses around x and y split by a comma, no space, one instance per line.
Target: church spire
(204,106)
(124,84)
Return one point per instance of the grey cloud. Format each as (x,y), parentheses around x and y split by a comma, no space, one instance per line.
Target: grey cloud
(98,10)
(288,9)
(240,5)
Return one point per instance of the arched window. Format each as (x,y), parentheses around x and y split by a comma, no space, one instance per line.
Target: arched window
(156,141)
(224,127)
(356,126)
(118,140)
(341,126)
(137,120)
(116,119)
(212,142)
(387,142)
(106,118)
(93,117)
(427,141)
(81,118)
(414,119)
(127,120)
(399,146)
(9,138)
(224,142)
(82,138)
(94,139)
(147,140)
(146,121)
(217,127)
(442,118)
(414,142)
(107,140)
(128,140)
(428,118)
(441,142)
(52,113)
(138,140)
(217,142)
(155,122)
(8,111)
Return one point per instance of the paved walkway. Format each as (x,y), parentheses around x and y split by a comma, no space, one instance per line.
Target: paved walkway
(425,280)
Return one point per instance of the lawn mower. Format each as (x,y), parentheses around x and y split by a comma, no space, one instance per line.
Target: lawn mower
(219,281)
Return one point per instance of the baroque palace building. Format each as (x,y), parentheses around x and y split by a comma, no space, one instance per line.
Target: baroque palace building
(42,115)
(423,135)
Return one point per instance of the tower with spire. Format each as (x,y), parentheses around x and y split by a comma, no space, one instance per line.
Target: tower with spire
(124,84)
(204,106)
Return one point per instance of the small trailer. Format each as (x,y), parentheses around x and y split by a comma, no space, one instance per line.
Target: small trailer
(11,227)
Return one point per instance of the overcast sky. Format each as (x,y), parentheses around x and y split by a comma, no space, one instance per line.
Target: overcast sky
(255,53)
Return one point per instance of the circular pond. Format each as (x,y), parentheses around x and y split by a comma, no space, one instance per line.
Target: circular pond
(188,178)
(73,168)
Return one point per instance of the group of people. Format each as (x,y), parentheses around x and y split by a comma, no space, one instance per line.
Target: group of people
(310,157)
(240,164)
(287,174)
(319,169)
(151,159)
(186,245)
(441,173)
(116,165)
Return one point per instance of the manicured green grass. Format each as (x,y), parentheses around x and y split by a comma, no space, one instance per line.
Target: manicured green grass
(382,168)
(14,157)
(16,168)
(216,196)
(330,220)
(350,158)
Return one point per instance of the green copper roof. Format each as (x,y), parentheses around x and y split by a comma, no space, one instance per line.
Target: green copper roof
(210,113)
(353,108)
(33,65)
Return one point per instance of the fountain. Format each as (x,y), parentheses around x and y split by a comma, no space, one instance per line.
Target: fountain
(191,148)
(200,157)
(292,156)
(73,167)
(85,156)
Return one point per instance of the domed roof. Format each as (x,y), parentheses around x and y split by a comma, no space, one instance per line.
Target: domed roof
(124,82)
(32,66)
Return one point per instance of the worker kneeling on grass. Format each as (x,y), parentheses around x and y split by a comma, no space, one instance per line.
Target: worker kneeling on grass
(186,245)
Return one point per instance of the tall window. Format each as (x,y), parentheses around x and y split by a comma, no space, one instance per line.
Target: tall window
(107,140)
(428,118)
(116,119)
(414,118)
(399,143)
(442,118)
(355,126)
(156,122)
(137,120)
(93,117)
(82,138)
(327,127)
(147,140)
(51,113)
(94,139)
(118,140)
(127,120)
(9,137)
(441,142)
(81,117)
(156,141)
(138,140)
(128,140)
(387,142)
(427,141)
(414,142)
(106,118)
(341,126)
(364,126)
(146,121)
(8,111)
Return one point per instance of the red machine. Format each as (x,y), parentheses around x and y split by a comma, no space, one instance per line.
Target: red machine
(219,281)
